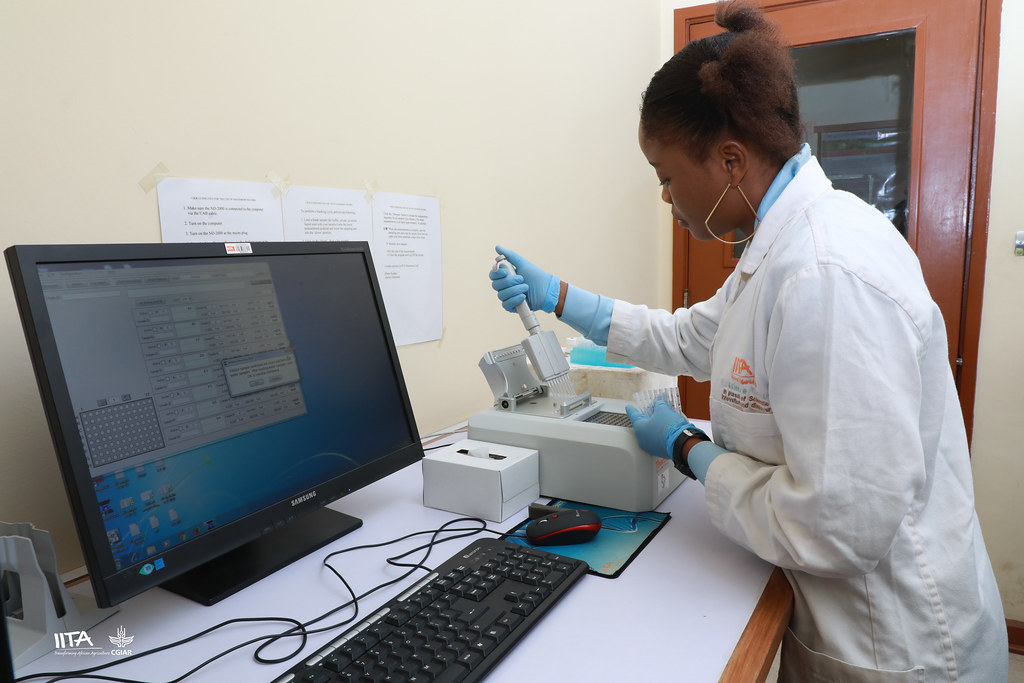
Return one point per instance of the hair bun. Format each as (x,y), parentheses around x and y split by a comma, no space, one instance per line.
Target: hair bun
(738,83)
(739,16)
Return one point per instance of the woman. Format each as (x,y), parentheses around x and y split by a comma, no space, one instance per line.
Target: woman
(839,449)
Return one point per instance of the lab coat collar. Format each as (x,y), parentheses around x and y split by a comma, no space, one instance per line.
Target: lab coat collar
(809,183)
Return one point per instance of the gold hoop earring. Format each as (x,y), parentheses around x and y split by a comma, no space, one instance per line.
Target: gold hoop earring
(757,219)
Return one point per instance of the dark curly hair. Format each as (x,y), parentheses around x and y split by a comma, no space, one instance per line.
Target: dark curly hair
(740,83)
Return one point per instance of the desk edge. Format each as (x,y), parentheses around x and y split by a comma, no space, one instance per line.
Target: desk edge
(754,653)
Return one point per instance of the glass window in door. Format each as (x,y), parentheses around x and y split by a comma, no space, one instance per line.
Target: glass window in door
(856,100)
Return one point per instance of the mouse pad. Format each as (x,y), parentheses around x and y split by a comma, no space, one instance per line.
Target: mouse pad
(623,535)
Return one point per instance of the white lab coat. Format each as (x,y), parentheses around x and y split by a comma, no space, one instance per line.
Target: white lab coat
(848,461)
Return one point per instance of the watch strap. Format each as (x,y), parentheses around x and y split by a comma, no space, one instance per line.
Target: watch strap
(678,457)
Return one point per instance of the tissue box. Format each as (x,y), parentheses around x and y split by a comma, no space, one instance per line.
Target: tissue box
(481,479)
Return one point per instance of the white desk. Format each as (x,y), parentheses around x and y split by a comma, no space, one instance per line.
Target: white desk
(676,613)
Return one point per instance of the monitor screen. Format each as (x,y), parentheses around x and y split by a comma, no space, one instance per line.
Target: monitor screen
(206,401)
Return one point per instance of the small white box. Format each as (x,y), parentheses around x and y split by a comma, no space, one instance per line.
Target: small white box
(481,479)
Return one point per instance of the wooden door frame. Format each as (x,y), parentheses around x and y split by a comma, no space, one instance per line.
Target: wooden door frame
(979,190)
(979,200)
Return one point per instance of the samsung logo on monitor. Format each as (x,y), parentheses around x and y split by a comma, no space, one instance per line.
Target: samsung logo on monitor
(303,498)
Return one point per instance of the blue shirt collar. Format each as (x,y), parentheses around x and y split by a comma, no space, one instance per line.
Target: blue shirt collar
(786,174)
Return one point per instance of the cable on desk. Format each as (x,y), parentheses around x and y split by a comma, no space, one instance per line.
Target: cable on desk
(300,629)
(87,672)
(394,561)
(431,438)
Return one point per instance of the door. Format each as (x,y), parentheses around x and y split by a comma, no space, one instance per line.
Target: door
(888,94)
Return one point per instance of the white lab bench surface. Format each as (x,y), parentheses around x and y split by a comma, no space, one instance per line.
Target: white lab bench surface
(675,613)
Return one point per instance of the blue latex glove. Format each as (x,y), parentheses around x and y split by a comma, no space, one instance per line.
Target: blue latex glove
(531,284)
(657,433)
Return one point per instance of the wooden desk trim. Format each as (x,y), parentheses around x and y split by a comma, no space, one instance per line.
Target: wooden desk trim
(755,651)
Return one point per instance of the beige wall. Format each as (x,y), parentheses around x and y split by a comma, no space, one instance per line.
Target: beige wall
(998,446)
(520,118)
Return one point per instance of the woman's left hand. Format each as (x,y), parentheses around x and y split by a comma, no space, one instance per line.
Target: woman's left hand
(657,433)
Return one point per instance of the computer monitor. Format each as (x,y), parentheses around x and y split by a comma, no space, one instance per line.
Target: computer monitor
(207,401)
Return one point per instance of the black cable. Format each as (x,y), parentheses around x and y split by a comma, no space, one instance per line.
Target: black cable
(394,561)
(431,438)
(84,673)
(300,629)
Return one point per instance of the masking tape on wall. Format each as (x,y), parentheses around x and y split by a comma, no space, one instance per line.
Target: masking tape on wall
(371,189)
(154,177)
(281,185)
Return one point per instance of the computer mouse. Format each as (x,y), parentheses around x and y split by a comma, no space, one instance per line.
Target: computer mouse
(564,527)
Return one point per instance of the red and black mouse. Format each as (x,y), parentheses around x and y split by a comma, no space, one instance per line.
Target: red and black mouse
(565,527)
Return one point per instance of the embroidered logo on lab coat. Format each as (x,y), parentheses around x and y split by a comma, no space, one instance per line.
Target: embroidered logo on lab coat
(741,372)
(742,392)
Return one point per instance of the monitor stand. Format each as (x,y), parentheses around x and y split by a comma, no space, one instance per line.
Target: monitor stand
(223,576)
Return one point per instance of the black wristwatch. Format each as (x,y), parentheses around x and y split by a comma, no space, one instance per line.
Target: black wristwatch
(677,449)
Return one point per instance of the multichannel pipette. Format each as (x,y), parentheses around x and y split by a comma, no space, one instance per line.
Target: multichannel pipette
(542,346)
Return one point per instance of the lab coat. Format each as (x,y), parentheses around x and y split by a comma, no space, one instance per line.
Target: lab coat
(847,460)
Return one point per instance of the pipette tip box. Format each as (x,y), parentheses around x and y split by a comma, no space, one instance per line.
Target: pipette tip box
(481,479)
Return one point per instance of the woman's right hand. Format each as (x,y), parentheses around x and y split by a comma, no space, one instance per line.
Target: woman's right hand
(529,283)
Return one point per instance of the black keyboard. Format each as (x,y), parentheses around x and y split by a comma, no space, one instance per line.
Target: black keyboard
(452,626)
